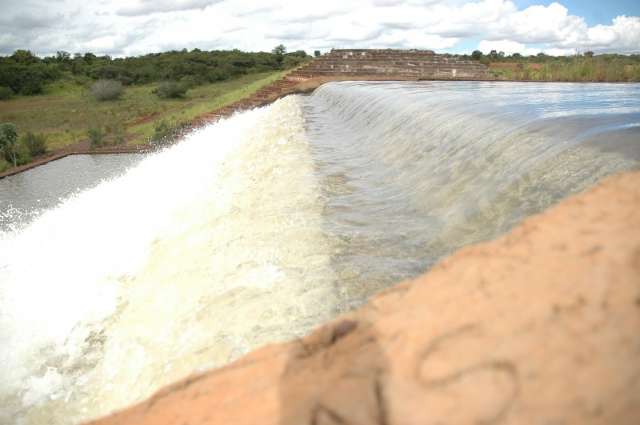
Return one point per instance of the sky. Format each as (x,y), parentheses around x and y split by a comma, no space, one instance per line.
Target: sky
(136,27)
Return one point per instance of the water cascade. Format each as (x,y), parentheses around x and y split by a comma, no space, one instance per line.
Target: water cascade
(259,227)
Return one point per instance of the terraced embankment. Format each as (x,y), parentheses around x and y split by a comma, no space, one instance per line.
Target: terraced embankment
(362,65)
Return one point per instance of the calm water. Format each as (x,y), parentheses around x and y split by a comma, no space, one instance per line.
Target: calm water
(260,227)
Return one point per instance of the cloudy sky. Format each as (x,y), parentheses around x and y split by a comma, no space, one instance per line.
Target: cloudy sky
(133,27)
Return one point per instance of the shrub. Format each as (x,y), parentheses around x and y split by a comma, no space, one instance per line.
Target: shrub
(5,93)
(118,134)
(23,155)
(166,133)
(106,90)
(35,143)
(9,142)
(96,137)
(170,90)
(191,81)
(4,165)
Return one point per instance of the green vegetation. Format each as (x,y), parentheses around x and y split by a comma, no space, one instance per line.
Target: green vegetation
(165,133)
(67,110)
(36,143)
(26,74)
(581,68)
(9,142)
(5,93)
(106,90)
(62,100)
(171,90)
(96,137)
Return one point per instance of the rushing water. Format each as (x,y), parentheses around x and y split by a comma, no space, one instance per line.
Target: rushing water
(26,195)
(259,227)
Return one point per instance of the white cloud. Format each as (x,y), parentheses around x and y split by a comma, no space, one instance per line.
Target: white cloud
(146,7)
(123,27)
(507,46)
(624,33)
(540,24)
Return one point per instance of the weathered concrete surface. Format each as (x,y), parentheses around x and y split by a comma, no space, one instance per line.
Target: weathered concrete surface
(541,326)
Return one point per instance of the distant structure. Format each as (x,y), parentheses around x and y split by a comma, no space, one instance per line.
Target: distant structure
(392,64)
(359,65)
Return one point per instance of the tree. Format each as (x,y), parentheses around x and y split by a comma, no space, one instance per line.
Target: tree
(476,55)
(279,50)
(588,54)
(62,56)
(24,56)
(9,142)
(89,57)
(317,53)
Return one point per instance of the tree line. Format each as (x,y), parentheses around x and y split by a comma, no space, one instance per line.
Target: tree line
(27,74)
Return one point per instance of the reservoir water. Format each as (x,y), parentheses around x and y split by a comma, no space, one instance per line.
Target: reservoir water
(133,273)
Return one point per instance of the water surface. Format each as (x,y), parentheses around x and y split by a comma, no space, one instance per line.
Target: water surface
(266,224)
(25,195)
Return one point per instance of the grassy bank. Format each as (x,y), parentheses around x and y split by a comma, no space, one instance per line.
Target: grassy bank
(604,68)
(67,110)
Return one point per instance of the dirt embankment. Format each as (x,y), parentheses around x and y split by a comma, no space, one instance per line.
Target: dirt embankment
(537,327)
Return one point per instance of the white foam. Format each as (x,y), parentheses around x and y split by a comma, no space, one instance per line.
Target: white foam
(133,283)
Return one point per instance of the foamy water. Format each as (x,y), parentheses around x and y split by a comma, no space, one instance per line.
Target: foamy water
(177,265)
(259,227)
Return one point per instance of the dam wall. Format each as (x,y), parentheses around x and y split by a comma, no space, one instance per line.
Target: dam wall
(360,65)
(393,65)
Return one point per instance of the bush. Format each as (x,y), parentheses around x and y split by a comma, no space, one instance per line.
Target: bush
(35,143)
(117,132)
(9,142)
(96,137)
(23,155)
(166,133)
(106,90)
(6,93)
(191,81)
(170,90)
(4,165)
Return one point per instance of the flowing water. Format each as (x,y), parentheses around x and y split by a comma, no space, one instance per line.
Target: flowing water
(259,227)
(26,195)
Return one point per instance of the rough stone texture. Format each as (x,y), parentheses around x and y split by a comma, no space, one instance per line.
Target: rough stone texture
(541,326)
(394,64)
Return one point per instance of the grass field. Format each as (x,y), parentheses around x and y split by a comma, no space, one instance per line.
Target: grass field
(575,69)
(67,110)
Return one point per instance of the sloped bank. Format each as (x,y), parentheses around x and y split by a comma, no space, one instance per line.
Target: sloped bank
(538,326)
